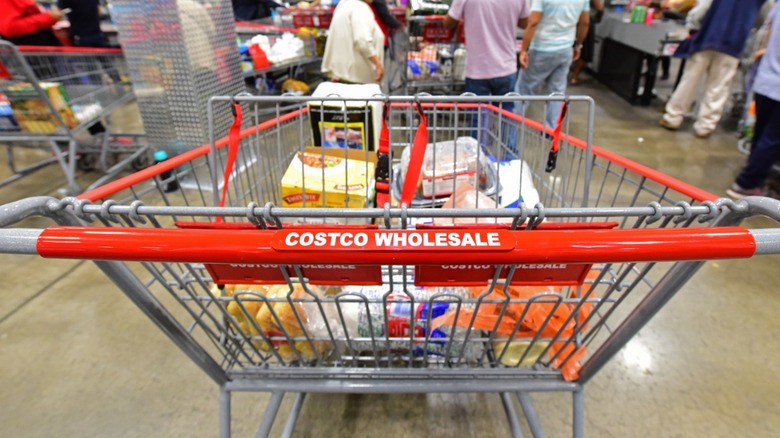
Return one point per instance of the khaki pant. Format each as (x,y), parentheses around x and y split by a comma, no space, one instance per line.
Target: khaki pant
(716,71)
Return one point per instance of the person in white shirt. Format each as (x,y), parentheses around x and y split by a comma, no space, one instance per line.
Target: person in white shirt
(355,44)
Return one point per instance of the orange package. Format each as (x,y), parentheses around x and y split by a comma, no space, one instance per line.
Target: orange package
(547,319)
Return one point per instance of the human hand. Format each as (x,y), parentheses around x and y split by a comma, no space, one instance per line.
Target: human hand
(759,53)
(577,53)
(380,72)
(523,59)
(56,15)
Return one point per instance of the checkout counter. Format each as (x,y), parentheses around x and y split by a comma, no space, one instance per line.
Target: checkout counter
(626,54)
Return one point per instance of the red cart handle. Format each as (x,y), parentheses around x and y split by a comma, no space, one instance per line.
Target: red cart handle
(395,247)
(74,50)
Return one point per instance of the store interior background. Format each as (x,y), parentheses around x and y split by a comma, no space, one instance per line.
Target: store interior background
(78,359)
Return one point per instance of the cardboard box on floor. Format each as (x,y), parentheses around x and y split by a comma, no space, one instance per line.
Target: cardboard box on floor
(348,179)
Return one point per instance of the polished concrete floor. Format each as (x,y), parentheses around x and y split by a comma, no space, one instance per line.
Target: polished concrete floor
(77,359)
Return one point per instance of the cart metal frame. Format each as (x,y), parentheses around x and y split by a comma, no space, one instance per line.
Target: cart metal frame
(91,76)
(657,219)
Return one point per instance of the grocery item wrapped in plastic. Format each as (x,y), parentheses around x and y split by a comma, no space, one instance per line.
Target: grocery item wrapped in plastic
(467,196)
(447,164)
(374,326)
(281,319)
(540,317)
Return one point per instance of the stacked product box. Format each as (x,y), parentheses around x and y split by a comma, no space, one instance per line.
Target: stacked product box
(347,124)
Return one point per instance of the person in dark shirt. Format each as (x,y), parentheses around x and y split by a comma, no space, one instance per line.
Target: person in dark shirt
(248,10)
(84,17)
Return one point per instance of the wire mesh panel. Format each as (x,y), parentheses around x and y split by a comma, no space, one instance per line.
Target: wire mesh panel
(50,95)
(180,53)
(63,88)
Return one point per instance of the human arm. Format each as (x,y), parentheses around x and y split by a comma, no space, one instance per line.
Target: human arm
(598,6)
(696,15)
(363,38)
(582,31)
(384,15)
(13,24)
(528,36)
(454,14)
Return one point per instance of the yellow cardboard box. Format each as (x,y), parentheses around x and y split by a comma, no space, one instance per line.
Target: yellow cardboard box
(329,177)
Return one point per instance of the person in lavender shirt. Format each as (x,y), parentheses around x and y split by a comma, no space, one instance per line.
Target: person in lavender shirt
(490,28)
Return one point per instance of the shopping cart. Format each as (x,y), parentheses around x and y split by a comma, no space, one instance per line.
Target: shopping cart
(433,58)
(534,298)
(283,63)
(319,18)
(61,95)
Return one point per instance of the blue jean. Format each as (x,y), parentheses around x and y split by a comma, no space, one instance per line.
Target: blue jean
(766,144)
(493,87)
(550,69)
(496,87)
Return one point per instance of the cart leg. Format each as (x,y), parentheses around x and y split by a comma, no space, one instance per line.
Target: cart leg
(530,414)
(578,413)
(70,174)
(9,153)
(67,161)
(104,137)
(224,413)
(293,418)
(270,414)
(511,415)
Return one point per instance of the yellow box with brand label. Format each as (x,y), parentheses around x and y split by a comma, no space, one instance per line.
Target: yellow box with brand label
(326,177)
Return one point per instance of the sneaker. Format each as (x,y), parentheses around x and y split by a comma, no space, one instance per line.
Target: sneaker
(666,125)
(702,134)
(738,192)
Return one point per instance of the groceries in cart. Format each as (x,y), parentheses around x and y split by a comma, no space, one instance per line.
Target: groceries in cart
(262,51)
(323,177)
(378,321)
(348,124)
(7,120)
(447,164)
(518,317)
(31,110)
(279,318)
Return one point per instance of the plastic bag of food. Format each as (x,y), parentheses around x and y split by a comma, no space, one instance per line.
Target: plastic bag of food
(273,316)
(365,320)
(447,164)
(544,318)
(467,196)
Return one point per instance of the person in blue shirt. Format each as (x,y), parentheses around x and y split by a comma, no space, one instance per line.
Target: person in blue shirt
(713,58)
(766,134)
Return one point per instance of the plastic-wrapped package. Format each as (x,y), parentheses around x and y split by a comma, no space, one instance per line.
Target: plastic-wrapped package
(277,319)
(447,164)
(365,320)
(467,196)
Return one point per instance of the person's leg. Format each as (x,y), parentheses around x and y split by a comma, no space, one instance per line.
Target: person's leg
(480,87)
(556,84)
(503,85)
(532,77)
(666,65)
(500,87)
(766,144)
(679,104)
(717,90)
